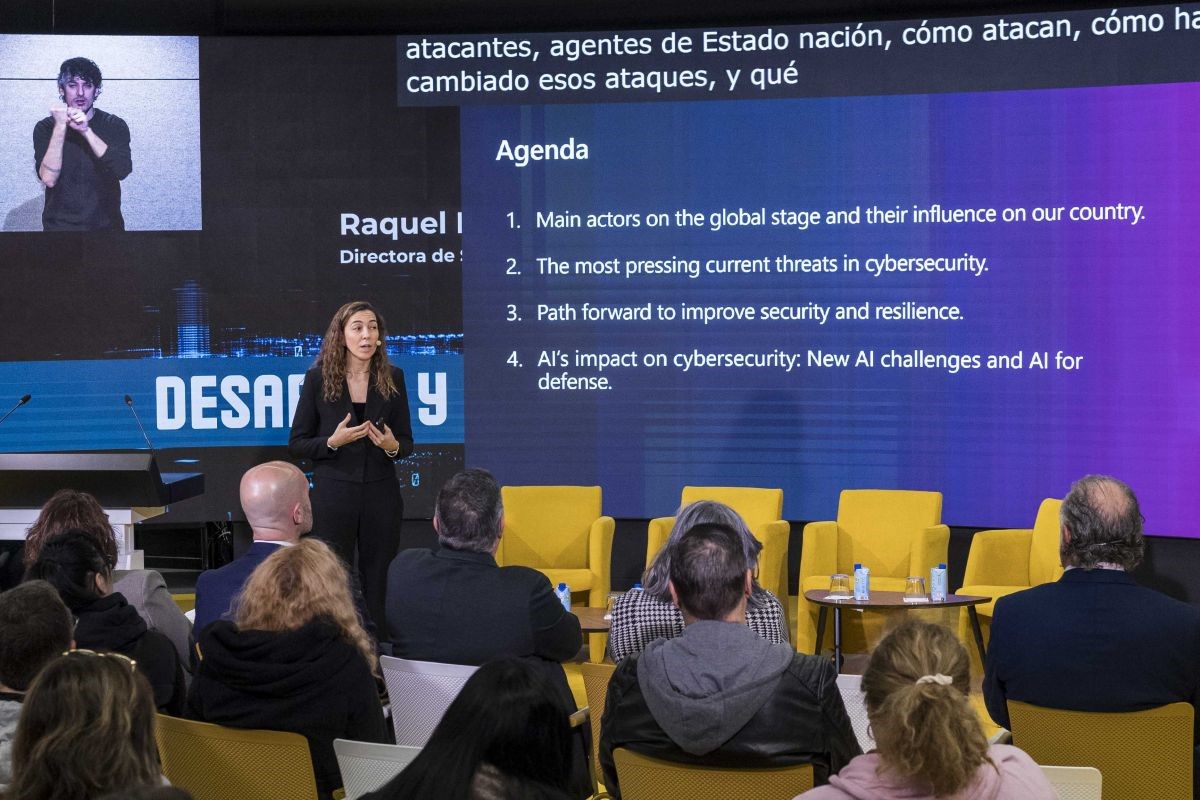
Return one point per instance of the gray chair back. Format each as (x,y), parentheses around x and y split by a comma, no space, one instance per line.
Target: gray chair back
(850,687)
(420,692)
(366,766)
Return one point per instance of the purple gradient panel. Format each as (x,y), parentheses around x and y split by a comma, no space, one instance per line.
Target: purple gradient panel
(1120,296)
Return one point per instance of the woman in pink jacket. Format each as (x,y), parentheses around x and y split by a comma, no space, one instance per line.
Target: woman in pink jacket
(929,743)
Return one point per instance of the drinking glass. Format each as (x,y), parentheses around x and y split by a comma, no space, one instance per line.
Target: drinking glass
(839,587)
(612,600)
(914,590)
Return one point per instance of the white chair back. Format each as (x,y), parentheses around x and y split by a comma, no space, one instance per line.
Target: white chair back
(366,766)
(420,692)
(1074,783)
(850,687)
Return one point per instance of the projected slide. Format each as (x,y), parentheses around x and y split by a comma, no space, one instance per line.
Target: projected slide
(986,293)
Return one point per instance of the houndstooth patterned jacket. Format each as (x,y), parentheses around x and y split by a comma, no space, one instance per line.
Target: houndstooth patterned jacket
(638,619)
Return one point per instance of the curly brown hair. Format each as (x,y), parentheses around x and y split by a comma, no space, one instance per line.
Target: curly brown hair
(68,510)
(916,686)
(332,358)
(297,584)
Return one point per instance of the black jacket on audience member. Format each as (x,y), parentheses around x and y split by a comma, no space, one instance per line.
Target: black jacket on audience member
(721,696)
(1094,640)
(459,607)
(309,681)
(110,623)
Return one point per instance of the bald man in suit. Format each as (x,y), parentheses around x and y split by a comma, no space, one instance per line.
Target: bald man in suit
(275,500)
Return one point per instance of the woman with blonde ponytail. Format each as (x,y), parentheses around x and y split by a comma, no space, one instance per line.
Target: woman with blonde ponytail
(929,743)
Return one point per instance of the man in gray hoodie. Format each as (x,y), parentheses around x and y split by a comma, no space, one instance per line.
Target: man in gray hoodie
(719,695)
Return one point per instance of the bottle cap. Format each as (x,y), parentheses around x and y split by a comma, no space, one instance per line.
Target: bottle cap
(637,586)
(858,566)
(941,566)
(562,587)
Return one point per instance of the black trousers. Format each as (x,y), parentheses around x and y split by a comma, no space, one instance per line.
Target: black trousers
(365,517)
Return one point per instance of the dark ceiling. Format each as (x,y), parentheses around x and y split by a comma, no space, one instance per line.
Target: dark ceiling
(265,17)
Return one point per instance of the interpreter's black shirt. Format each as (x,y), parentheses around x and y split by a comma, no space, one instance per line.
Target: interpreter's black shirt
(87,195)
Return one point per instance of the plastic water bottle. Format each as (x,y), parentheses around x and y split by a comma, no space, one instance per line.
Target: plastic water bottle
(937,583)
(862,582)
(563,592)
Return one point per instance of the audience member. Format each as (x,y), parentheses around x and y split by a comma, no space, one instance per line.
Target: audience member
(294,658)
(639,618)
(275,501)
(456,606)
(719,694)
(86,730)
(75,567)
(928,740)
(35,627)
(503,736)
(1093,640)
(144,589)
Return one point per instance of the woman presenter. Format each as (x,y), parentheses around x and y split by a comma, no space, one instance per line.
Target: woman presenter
(352,422)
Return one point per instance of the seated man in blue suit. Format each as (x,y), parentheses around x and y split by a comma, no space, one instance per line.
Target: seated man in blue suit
(1093,640)
(274,497)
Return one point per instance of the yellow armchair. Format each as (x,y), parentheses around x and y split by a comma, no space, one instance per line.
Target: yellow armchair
(560,531)
(1145,753)
(894,533)
(761,509)
(1005,561)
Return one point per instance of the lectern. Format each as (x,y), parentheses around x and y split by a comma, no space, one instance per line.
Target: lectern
(128,485)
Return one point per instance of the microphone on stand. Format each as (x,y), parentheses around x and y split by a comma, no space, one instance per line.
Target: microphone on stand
(138,420)
(20,403)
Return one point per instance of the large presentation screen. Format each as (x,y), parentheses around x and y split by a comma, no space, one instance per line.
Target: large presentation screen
(955,255)
(943,254)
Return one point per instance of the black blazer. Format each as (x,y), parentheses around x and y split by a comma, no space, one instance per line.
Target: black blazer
(458,607)
(1091,641)
(360,461)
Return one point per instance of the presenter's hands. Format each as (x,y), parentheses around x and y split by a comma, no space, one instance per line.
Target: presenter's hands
(77,119)
(59,113)
(383,439)
(345,433)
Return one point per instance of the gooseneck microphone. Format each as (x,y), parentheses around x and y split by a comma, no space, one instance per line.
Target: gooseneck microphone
(138,420)
(20,403)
